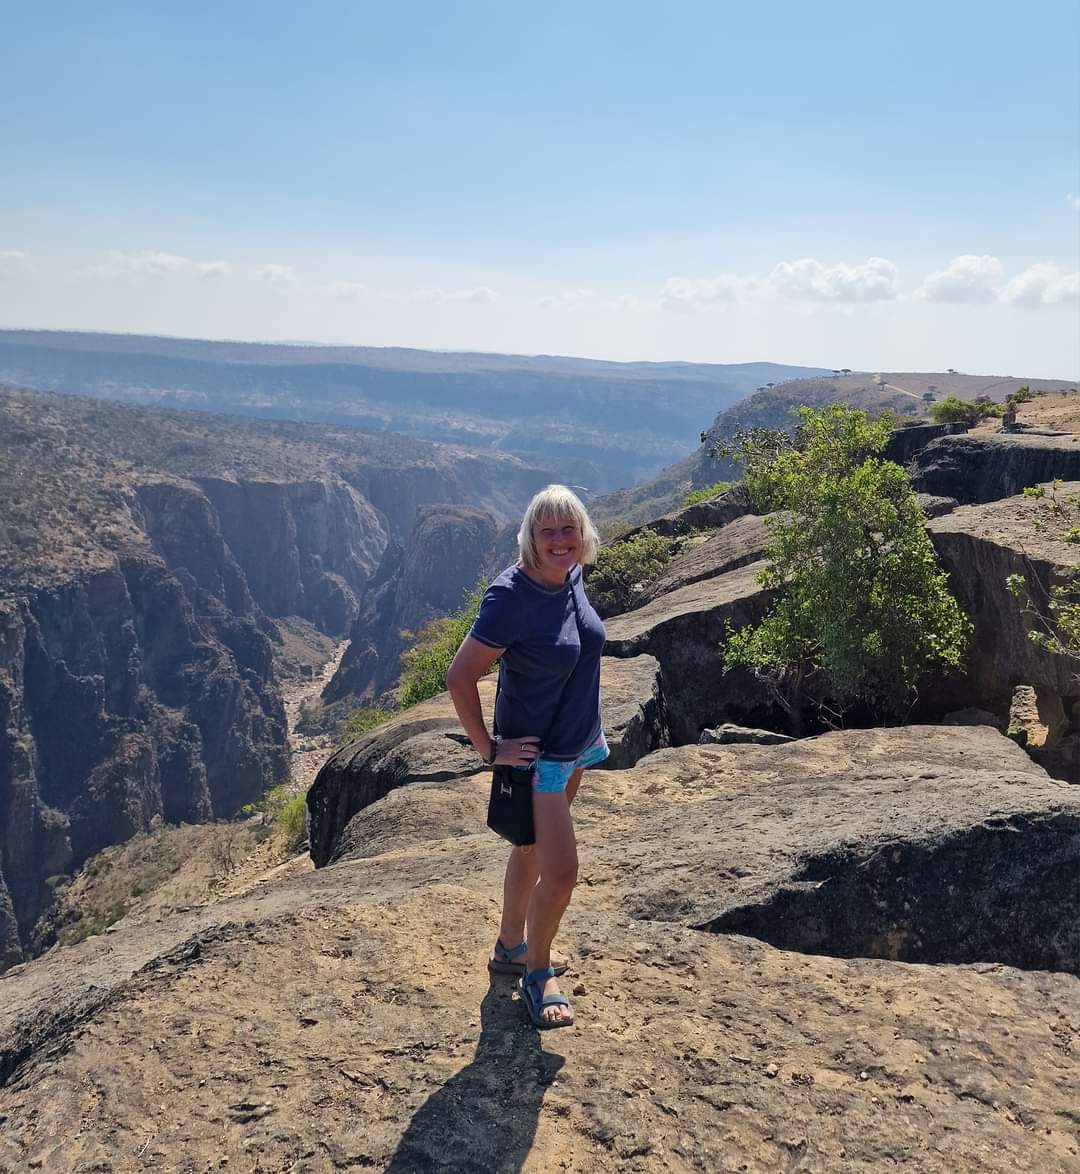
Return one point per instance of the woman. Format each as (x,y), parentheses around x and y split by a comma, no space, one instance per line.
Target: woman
(535,616)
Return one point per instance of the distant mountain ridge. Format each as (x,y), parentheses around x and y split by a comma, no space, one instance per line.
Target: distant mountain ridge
(594,422)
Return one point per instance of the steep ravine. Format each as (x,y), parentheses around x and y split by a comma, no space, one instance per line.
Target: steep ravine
(146,690)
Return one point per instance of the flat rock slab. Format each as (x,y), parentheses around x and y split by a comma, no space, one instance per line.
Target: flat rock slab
(986,466)
(345,1019)
(924,843)
(426,745)
(713,553)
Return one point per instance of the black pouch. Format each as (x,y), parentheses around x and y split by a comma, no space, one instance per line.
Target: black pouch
(510,808)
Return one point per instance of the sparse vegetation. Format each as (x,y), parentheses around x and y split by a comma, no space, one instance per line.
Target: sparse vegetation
(862,610)
(696,495)
(361,722)
(424,666)
(1056,622)
(284,817)
(170,867)
(623,567)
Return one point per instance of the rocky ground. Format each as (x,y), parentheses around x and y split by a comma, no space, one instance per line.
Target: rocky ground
(344,1019)
(853,952)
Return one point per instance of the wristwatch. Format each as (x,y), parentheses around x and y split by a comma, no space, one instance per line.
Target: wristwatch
(490,761)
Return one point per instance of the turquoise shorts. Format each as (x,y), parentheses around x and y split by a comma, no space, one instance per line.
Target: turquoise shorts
(551,776)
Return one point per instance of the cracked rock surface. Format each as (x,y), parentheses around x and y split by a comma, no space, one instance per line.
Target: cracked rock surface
(344,1019)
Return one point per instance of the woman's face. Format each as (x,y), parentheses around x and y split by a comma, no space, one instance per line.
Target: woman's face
(558,547)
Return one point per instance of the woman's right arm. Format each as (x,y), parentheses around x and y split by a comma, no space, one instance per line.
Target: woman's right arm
(472,661)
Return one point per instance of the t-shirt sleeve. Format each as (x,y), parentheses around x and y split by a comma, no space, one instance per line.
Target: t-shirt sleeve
(499,623)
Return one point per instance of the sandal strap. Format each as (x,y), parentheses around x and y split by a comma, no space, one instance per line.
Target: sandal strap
(555,1001)
(510,955)
(539,976)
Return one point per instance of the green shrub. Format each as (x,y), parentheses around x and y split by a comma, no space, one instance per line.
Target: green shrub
(624,567)
(953,410)
(862,610)
(360,722)
(696,495)
(290,823)
(283,816)
(424,666)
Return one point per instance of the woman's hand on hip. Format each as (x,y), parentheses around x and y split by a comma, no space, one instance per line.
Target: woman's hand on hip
(518,751)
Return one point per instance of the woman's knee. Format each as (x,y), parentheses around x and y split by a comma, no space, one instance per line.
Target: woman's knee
(561,875)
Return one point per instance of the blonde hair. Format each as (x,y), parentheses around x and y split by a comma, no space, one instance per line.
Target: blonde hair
(561,505)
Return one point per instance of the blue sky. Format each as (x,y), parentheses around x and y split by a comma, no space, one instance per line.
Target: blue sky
(838,184)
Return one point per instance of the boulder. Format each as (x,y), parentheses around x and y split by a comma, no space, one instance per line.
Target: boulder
(426,744)
(729,734)
(685,631)
(919,844)
(934,507)
(980,546)
(986,466)
(905,442)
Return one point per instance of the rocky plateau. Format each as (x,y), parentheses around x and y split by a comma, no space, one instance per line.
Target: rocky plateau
(855,951)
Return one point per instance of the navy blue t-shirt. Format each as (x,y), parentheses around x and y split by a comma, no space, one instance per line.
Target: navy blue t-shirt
(549,682)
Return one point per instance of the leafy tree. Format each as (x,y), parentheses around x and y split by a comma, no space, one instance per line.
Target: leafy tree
(863,611)
(952,410)
(624,567)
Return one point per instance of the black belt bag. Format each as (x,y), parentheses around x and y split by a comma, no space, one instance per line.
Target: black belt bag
(510,809)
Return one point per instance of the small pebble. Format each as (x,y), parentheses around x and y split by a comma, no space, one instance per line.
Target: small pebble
(579,989)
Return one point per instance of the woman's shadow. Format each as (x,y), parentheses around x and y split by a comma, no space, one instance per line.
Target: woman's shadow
(485,1117)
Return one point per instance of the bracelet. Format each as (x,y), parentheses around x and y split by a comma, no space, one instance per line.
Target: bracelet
(494,750)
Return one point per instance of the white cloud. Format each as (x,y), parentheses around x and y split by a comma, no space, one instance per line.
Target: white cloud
(478,296)
(1073,200)
(567,297)
(134,267)
(13,263)
(347,290)
(968,278)
(280,275)
(804,280)
(684,295)
(809,280)
(1042,285)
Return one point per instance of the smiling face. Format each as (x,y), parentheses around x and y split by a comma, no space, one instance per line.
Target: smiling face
(558,548)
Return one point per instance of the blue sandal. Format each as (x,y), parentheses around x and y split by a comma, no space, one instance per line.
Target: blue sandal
(530,987)
(506,961)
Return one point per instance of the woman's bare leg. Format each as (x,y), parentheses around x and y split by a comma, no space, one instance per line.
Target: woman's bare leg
(556,848)
(522,872)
